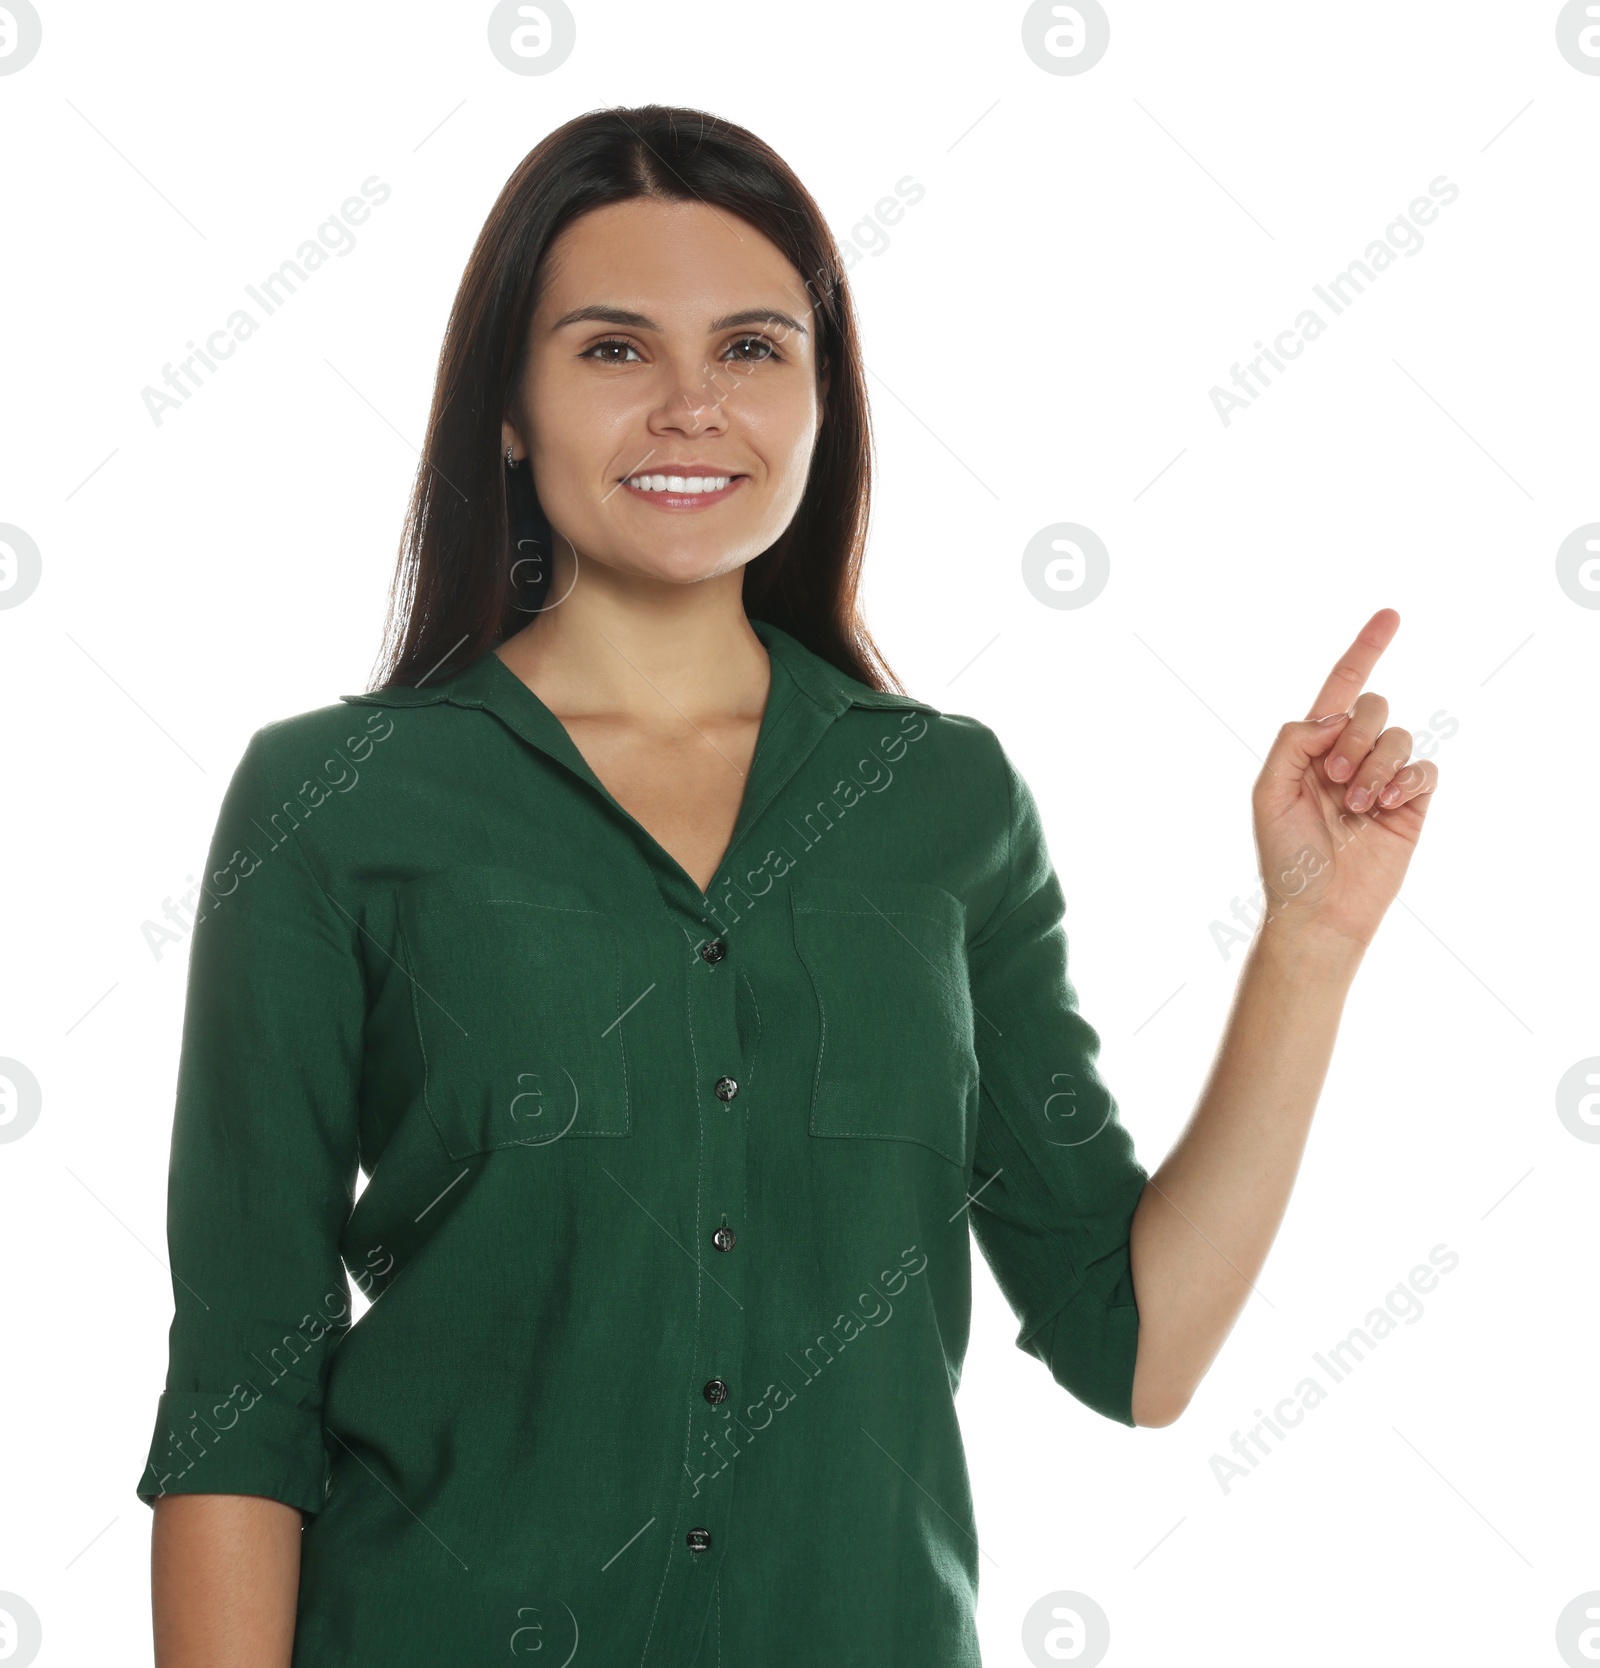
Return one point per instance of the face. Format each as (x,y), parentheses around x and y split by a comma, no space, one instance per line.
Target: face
(672,339)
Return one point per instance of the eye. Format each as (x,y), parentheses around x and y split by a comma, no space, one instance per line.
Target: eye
(736,348)
(609,342)
(759,341)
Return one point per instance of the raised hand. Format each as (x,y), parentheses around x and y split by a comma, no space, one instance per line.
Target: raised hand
(1339,805)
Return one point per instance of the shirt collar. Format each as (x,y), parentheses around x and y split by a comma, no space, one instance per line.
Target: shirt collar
(483,683)
(824,682)
(791,727)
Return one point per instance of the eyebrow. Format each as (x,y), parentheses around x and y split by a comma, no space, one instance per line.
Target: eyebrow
(638,321)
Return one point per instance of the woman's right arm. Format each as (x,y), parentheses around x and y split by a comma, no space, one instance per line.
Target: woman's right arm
(224,1580)
(260,1185)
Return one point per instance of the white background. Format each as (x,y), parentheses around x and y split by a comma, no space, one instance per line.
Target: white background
(1092,254)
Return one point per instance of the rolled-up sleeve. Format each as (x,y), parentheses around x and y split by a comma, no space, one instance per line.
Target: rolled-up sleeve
(1056,1180)
(263,1161)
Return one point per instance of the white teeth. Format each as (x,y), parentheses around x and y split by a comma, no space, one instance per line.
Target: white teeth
(679,483)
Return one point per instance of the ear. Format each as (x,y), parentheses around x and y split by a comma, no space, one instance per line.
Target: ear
(509,437)
(825,378)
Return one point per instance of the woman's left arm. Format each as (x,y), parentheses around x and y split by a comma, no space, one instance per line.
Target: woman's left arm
(1338,810)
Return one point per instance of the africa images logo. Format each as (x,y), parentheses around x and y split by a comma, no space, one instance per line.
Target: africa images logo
(1402,236)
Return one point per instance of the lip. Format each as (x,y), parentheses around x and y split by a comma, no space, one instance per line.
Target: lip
(674,468)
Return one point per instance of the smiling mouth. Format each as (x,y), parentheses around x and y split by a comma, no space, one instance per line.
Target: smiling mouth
(682,492)
(651,482)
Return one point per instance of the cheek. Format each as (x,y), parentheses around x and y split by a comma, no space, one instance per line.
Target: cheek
(560,451)
(576,450)
(783,428)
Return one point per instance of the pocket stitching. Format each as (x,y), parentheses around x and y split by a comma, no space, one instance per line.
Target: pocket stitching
(755,1049)
(622,1036)
(422,1046)
(434,1117)
(910,914)
(822,1050)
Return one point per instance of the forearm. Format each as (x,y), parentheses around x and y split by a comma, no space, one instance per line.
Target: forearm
(224,1581)
(1209,1215)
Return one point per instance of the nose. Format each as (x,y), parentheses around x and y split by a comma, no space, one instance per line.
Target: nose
(692,387)
(693,407)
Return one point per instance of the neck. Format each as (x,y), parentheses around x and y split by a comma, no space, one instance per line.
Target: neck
(610,651)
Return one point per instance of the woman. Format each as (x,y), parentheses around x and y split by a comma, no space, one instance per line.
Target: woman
(684,991)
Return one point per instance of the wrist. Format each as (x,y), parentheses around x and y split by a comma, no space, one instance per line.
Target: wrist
(1307,947)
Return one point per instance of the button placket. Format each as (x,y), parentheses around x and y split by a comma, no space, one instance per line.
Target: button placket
(705,1499)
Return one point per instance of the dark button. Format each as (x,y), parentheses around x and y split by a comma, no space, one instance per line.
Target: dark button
(698,1539)
(725,1088)
(724,1238)
(714,951)
(716,1391)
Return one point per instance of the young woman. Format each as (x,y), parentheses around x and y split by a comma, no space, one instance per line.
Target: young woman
(685,992)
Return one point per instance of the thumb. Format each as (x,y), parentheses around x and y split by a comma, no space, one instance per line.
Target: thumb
(1298,743)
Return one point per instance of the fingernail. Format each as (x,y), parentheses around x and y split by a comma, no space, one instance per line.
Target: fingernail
(1389,795)
(1359,799)
(1333,718)
(1339,768)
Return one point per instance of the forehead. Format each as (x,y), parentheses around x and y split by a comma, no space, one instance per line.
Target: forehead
(683,262)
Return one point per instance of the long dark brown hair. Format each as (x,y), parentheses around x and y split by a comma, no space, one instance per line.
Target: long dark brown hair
(473,564)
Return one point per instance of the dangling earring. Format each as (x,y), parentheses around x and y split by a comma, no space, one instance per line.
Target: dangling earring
(511,461)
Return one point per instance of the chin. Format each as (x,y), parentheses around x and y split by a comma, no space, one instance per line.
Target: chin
(685,568)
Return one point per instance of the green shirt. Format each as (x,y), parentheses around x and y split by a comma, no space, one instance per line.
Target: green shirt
(665,1225)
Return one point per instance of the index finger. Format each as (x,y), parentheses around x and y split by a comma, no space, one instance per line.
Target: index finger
(1350,673)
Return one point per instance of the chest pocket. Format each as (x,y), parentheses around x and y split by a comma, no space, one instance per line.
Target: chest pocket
(515,984)
(888,964)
